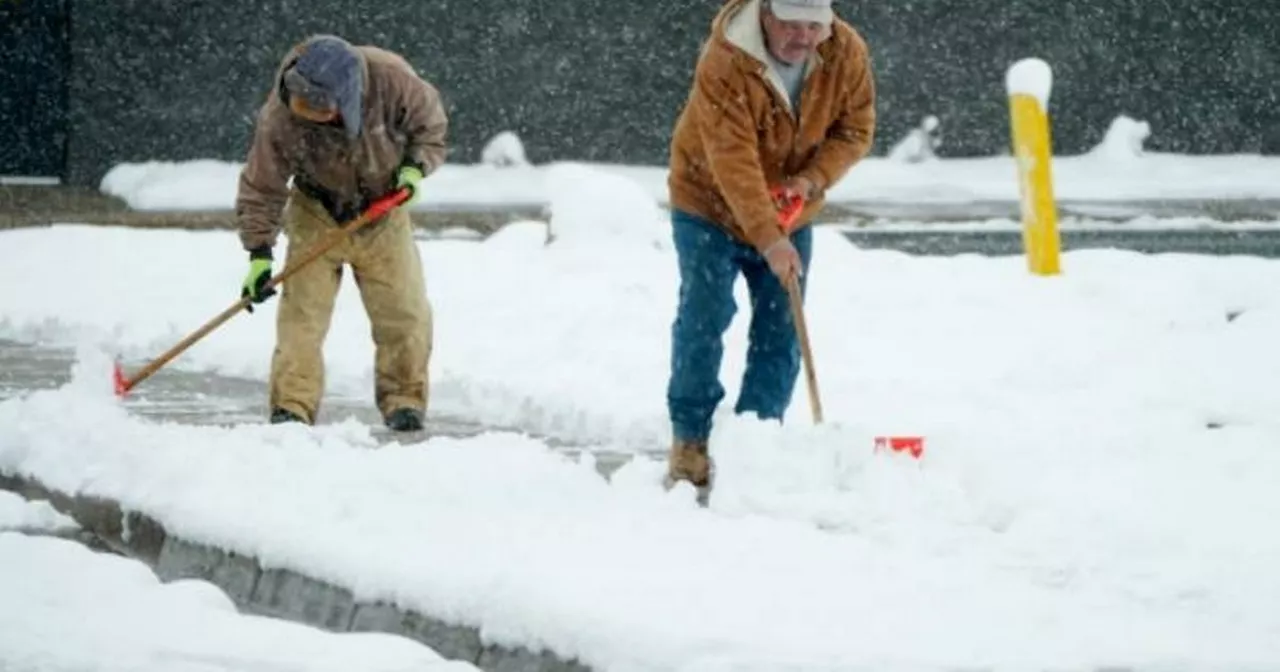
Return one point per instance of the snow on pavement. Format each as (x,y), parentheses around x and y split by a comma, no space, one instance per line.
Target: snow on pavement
(66,607)
(534,548)
(1096,490)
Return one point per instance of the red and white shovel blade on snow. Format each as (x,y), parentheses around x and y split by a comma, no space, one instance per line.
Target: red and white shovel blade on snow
(911,445)
(119,382)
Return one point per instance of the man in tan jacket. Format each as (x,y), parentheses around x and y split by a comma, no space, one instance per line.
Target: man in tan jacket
(783,97)
(342,126)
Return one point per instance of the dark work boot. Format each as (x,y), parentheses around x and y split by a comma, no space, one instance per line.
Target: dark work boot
(280,415)
(404,420)
(688,461)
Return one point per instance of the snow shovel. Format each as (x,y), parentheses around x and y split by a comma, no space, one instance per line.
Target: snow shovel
(379,209)
(789,208)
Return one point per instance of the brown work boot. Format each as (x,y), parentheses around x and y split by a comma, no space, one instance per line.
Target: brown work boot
(688,461)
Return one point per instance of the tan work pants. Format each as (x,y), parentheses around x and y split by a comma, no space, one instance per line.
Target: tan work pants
(388,271)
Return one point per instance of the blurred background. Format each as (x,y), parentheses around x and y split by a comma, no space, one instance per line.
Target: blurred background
(87,85)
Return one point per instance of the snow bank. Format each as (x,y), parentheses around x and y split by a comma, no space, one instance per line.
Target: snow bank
(1123,141)
(17,513)
(168,185)
(503,150)
(67,608)
(593,207)
(919,144)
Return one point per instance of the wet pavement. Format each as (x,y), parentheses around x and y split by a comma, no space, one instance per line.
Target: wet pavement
(176,395)
(205,399)
(939,241)
(930,211)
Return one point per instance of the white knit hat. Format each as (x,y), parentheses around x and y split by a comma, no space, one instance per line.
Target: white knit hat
(810,11)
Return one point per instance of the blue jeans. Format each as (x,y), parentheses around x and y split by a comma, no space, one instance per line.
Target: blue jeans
(710,261)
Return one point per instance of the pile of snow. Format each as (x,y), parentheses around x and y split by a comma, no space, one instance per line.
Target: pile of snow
(590,206)
(1123,141)
(168,185)
(67,608)
(503,151)
(519,235)
(920,144)
(17,513)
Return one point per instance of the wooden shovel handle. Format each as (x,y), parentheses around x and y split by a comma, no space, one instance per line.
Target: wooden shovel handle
(374,212)
(806,353)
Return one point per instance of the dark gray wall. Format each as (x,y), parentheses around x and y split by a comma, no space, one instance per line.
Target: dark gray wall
(604,79)
(584,80)
(1204,73)
(34,67)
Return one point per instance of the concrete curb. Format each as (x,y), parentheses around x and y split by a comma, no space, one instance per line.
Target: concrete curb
(274,592)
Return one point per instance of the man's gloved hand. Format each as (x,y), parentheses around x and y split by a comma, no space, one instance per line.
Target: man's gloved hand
(784,260)
(408,177)
(255,282)
(790,198)
(800,187)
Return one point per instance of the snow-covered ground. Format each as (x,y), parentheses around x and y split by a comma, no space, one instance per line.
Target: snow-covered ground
(68,608)
(211,185)
(1098,487)
(1117,169)
(40,517)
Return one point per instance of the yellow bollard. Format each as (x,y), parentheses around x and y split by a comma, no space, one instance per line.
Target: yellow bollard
(1029,82)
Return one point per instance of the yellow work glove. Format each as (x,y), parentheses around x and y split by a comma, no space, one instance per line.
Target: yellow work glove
(255,282)
(408,177)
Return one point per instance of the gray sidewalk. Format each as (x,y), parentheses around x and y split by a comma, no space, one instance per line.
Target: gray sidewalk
(203,399)
(174,394)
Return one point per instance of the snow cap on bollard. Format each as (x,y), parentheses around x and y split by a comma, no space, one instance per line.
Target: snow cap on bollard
(1031,77)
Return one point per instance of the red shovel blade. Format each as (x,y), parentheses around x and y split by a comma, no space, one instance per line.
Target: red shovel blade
(118,380)
(912,445)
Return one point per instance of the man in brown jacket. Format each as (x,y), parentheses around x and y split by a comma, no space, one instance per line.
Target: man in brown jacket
(783,97)
(348,125)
